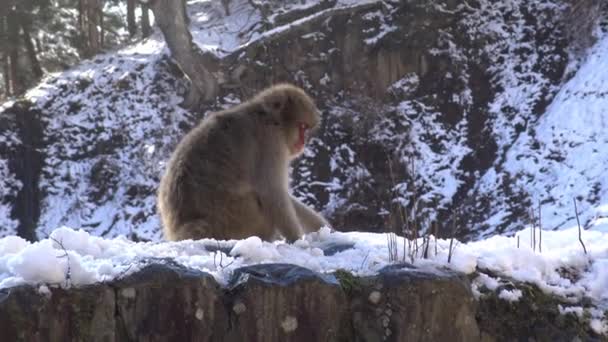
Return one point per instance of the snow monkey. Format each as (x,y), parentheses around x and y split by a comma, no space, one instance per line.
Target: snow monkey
(228,178)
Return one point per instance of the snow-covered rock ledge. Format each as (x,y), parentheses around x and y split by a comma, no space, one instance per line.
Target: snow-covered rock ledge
(327,286)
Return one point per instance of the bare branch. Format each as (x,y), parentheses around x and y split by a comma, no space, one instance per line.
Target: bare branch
(68,273)
(124,272)
(365,259)
(435,235)
(532,230)
(580,237)
(453,232)
(221,264)
(540,230)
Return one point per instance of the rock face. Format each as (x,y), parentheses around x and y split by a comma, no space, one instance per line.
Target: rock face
(274,302)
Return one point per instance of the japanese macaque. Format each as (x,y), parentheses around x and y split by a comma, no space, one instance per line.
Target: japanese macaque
(228,178)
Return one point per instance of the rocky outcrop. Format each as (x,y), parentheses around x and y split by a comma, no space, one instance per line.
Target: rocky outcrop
(364,49)
(273,302)
(414,82)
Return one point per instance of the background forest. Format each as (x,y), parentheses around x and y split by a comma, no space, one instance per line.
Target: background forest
(42,36)
(467,119)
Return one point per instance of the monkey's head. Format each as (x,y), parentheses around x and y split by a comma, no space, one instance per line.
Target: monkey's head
(294,112)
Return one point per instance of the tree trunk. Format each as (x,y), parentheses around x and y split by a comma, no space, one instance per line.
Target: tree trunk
(131,24)
(145,21)
(6,73)
(173,22)
(4,52)
(31,50)
(83,27)
(82,20)
(80,14)
(102,31)
(93,23)
(13,53)
(226,4)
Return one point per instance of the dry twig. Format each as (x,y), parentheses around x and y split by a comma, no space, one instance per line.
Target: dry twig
(533,230)
(540,231)
(452,237)
(221,257)
(68,272)
(580,237)
(435,235)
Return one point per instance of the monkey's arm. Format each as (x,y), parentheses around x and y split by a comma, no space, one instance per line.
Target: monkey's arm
(310,220)
(279,208)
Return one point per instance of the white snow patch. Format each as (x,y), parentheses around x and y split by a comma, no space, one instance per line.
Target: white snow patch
(254,249)
(576,310)
(599,326)
(510,295)
(94,259)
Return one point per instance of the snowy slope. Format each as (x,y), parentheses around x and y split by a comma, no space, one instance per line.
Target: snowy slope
(562,155)
(106,148)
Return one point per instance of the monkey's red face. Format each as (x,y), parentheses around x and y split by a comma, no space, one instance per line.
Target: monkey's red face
(298,116)
(297,147)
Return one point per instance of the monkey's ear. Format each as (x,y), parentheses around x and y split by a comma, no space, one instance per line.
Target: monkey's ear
(276,101)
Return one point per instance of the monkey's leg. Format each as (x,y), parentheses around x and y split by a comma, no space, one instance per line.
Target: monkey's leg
(311,221)
(194,229)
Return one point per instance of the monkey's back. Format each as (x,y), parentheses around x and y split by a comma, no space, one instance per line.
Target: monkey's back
(205,191)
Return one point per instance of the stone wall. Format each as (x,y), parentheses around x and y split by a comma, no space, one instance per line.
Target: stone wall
(277,302)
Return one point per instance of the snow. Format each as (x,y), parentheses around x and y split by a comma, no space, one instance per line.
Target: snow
(253,249)
(509,66)
(215,32)
(44,290)
(549,156)
(575,310)
(383,28)
(483,280)
(430,151)
(599,326)
(71,257)
(510,295)
(569,139)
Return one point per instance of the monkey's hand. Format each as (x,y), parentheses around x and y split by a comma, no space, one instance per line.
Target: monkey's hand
(310,220)
(278,207)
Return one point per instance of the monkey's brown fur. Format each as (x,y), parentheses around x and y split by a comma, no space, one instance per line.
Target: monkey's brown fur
(228,177)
